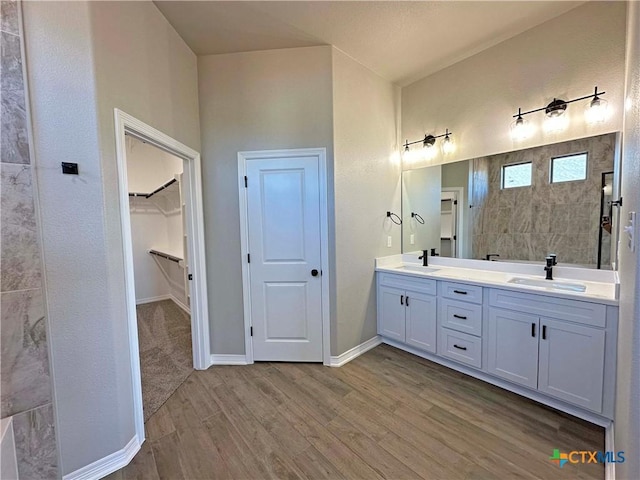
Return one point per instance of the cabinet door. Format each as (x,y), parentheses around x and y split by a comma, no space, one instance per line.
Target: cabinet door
(421,321)
(572,363)
(391,313)
(513,346)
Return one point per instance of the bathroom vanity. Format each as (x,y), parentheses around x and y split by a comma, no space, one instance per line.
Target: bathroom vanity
(553,341)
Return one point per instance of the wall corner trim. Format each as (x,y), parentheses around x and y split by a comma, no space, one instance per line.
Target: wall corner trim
(224,359)
(109,464)
(355,352)
(610,467)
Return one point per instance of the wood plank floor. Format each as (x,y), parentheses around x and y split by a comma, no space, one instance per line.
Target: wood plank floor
(386,414)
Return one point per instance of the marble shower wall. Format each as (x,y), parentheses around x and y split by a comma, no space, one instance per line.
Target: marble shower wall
(25,383)
(527,223)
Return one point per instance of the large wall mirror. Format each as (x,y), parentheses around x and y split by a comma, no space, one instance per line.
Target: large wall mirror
(518,206)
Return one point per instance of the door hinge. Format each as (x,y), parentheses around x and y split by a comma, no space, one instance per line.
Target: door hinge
(246,182)
(248,258)
(251,331)
(454,237)
(455,202)
(190,277)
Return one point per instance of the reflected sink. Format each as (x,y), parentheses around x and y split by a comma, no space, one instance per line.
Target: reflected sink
(548,284)
(417,268)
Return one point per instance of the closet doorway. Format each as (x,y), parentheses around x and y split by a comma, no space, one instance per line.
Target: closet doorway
(163,240)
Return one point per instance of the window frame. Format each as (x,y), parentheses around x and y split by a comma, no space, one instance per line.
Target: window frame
(502,176)
(586,167)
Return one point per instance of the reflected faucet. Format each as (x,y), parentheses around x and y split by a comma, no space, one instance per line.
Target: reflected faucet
(424,258)
(549,268)
(489,255)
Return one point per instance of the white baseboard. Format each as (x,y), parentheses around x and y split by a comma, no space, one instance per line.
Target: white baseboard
(610,467)
(159,298)
(223,359)
(107,465)
(180,304)
(354,352)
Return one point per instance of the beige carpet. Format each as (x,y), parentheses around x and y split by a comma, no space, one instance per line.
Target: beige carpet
(166,360)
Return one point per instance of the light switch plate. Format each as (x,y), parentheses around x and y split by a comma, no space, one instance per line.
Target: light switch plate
(389,241)
(412,239)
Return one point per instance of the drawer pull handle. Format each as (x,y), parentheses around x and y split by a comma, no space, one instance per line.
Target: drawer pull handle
(406,301)
(459,316)
(459,347)
(461,292)
(401,299)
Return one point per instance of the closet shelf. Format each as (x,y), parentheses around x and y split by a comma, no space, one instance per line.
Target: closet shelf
(165,255)
(157,190)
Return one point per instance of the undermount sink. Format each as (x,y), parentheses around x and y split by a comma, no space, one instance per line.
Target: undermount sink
(417,268)
(549,284)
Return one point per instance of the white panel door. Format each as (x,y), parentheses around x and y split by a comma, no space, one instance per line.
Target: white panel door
(391,313)
(513,346)
(283,203)
(572,363)
(421,320)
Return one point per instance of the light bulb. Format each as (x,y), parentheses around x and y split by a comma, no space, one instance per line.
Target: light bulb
(596,111)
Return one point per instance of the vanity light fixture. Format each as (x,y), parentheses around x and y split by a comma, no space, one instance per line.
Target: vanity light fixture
(428,143)
(595,112)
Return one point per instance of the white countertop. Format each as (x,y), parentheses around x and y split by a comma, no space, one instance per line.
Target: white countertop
(600,286)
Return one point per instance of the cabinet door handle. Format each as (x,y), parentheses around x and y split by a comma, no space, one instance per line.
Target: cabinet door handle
(406,301)
(401,299)
(544,332)
(460,292)
(459,316)
(533,329)
(459,347)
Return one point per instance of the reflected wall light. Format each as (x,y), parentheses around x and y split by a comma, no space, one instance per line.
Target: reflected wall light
(428,150)
(595,112)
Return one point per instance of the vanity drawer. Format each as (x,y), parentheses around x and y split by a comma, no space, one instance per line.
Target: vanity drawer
(461,316)
(460,347)
(553,307)
(407,282)
(461,291)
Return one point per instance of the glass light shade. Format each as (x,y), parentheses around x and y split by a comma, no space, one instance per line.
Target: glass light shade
(556,123)
(596,111)
(428,152)
(447,145)
(521,129)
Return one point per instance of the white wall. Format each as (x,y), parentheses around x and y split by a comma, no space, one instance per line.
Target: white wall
(263,100)
(564,57)
(421,191)
(84,59)
(149,167)
(627,414)
(366,176)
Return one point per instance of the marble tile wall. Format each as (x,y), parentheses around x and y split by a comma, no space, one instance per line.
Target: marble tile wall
(527,223)
(25,389)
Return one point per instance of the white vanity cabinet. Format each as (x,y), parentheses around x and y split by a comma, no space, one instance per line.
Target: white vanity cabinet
(553,348)
(407,310)
(537,346)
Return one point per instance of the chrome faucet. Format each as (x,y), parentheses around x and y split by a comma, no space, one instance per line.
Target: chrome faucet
(549,268)
(489,255)
(424,257)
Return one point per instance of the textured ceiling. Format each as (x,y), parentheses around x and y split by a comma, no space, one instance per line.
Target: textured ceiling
(401,41)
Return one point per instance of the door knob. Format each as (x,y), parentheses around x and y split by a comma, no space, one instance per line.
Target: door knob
(314,272)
